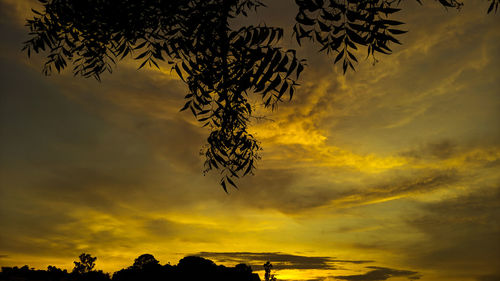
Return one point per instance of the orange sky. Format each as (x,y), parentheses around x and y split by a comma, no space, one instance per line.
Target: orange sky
(392,170)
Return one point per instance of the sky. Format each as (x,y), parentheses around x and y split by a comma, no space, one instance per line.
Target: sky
(387,173)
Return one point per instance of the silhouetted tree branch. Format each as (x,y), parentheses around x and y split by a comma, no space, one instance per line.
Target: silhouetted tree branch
(221,65)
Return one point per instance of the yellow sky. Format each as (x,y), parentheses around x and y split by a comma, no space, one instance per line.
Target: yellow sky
(390,170)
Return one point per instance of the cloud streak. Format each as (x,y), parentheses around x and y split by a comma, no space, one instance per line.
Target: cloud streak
(280,261)
(381,274)
(460,231)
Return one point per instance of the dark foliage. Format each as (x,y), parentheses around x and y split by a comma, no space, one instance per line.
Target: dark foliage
(85,265)
(145,261)
(51,274)
(267,269)
(145,267)
(221,65)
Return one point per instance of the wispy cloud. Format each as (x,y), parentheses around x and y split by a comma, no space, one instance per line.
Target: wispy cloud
(460,233)
(280,261)
(380,274)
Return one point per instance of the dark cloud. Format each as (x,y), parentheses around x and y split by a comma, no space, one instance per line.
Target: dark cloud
(82,152)
(185,232)
(13,34)
(34,242)
(352,261)
(380,274)
(420,183)
(442,149)
(448,149)
(275,189)
(398,186)
(462,233)
(38,228)
(315,279)
(161,227)
(489,277)
(279,260)
(271,188)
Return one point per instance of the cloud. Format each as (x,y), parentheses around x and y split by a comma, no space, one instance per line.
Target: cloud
(380,274)
(460,233)
(299,190)
(280,261)
(442,149)
(169,229)
(352,261)
(275,189)
(447,153)
(396,188)
(489,277)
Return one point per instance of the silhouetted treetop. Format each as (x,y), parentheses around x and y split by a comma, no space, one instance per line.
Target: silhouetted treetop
(145,260)
(189,262)
(221,65)
(85,265)
(267,272)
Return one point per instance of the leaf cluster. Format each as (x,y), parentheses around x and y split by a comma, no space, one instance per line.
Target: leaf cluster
(222,66)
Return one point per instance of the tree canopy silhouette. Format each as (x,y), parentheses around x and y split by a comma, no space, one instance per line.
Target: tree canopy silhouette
(145,267)
(145,260)
(221,65)
(85,265)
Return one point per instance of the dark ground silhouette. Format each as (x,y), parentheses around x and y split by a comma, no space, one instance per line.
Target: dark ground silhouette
(145,268)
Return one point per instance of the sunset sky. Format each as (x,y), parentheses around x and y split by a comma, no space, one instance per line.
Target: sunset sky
(391,172)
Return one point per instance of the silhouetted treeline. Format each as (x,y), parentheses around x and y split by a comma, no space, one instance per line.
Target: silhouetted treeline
(51,274)
(145,268)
